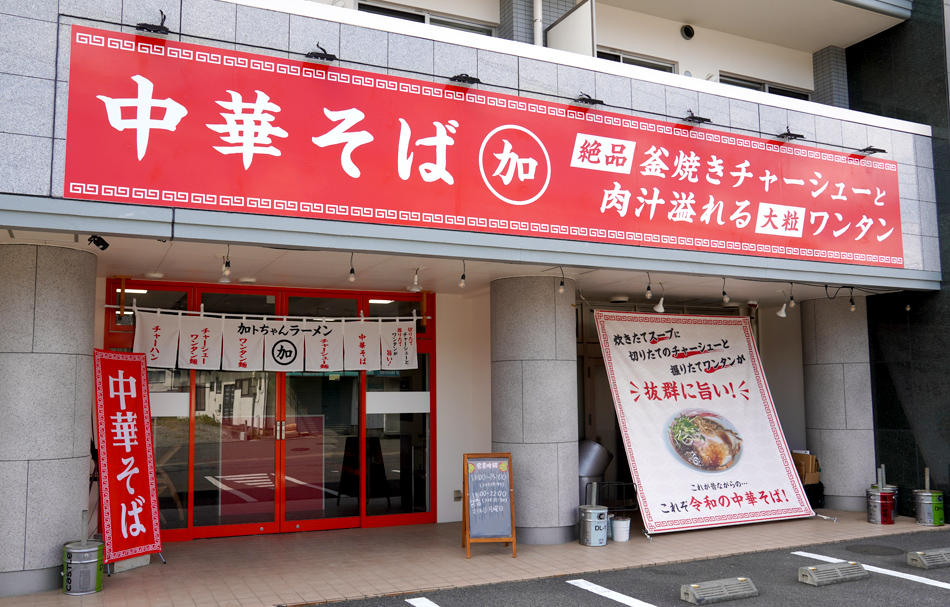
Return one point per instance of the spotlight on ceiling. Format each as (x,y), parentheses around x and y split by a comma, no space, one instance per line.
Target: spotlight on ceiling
(414,287)
(658,308)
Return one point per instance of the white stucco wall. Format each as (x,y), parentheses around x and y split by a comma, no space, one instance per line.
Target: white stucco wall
(463,400)
(709,52)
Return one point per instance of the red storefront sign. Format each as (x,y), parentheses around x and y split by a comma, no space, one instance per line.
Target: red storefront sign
(130,524)
(170,124)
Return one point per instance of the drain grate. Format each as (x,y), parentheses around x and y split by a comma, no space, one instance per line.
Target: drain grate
(717,591)
(929,559)
(832,573)
(875,550)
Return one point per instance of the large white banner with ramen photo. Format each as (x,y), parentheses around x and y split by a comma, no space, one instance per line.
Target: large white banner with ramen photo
(701,434)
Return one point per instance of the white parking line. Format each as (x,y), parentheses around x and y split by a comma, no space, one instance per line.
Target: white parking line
(421,602)
(220,485)
(607,593)
(905,576)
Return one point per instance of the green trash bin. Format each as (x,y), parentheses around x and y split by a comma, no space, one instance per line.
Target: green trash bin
(82,567)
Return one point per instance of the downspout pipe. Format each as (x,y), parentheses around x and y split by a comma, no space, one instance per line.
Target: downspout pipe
(538,27)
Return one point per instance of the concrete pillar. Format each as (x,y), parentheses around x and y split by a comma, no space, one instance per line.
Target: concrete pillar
(534,402)
(46,390)
(839,418)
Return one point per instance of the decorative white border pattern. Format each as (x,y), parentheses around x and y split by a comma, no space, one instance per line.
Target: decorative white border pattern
(319,210)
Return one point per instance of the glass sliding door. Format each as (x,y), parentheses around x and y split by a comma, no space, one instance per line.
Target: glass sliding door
(235,463)
(321,448)
(321,443)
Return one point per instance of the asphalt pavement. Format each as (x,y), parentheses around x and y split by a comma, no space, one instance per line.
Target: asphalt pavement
(891,581)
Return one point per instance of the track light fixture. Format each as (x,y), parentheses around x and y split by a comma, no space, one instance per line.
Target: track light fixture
(649,293)
(226,268)
(352,277)
(658,308)
(462,280)
(791,295)
(781,313)
(99,241)
(414,287)
(871,150)
(560,287)
(725,297)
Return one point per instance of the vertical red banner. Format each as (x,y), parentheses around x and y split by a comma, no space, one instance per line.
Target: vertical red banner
(130,524)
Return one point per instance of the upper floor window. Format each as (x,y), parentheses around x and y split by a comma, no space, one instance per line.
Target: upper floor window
(653,64)
(766,87)
(419,16)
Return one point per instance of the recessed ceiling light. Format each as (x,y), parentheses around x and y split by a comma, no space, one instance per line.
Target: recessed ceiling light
(248,280)
(154,275)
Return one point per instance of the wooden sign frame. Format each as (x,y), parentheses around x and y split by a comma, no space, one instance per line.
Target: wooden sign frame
(467,539)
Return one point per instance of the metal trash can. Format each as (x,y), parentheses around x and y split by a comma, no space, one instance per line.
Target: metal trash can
(82,567)
(593,526)
(592,460)
(881,506)
(929,507)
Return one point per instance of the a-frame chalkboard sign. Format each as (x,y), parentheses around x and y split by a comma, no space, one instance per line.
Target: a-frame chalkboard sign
(488,510)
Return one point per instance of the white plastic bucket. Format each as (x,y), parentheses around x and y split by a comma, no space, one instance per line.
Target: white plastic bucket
(621,528)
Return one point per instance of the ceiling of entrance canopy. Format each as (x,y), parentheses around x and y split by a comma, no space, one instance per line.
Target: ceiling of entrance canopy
(183,261)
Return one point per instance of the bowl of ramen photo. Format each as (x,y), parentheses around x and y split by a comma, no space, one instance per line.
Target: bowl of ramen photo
(704,440)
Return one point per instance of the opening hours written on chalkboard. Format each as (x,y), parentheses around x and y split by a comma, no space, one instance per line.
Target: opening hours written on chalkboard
(488,512)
